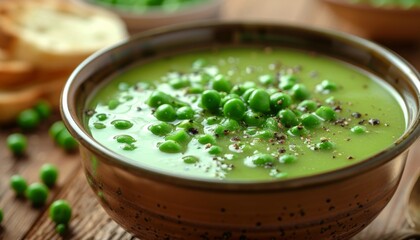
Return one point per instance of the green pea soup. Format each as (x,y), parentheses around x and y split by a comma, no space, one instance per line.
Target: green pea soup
(246,140)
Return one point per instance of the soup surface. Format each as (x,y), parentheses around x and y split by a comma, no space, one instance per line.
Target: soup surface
(245,114)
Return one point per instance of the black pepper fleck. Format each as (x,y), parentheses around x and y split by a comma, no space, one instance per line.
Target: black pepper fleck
(90,112)
(374,122)
(356,115)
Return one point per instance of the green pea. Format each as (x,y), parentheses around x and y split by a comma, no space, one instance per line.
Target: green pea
(101,116)
(180,136)
(98,125)
(158,98)
(252,118)
(125,139)
(287,82)
(358,129)
(214,150)
(266,79)
(238,90)
(190,159)
(212,120)
(166,113)
(113,104)
(18,184)
(249,84)
(259,101)
(28,119)
(297,113)
(48,174)
(188,124)
(287,158)
(310,121)
(60,229)
(264,134)
(128,147)
(60,212)
(206,139)
(221,84)
(43,109)
(55,129)
(161,129)
(220,130)
(299,92)
(298,130)
(178,83)
(326,86)
(234,109)
(231,124)
(271,124)
(279,101)
(17,143)
(325,145)
(229,97)
(1,215)
(307,106)
(170,146)
(122,124)
(326,113)
(195,90)
(263,159)
(210,100)
(199,63)
(37,193)
(66,141)
(288,118)
(247,94)
(185,113)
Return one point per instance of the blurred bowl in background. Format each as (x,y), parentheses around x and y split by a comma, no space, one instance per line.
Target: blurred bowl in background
(142,19)
(380,23)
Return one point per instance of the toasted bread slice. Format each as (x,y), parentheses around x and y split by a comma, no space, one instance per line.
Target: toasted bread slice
(15,73)
(56,34)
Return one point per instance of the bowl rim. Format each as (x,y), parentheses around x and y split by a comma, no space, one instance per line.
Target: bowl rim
(75,125)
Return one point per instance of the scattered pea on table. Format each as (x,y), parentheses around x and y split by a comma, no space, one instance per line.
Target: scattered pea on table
(48,174)
(17,143)
(18,184)
(37,193)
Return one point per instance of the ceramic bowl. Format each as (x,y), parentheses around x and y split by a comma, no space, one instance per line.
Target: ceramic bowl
(154,205)
(379,23)
(140,21)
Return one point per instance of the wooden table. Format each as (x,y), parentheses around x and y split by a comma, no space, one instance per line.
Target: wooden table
(21,221)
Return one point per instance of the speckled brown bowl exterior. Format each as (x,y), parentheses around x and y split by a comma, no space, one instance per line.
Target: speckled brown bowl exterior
(152,205)
(382,23)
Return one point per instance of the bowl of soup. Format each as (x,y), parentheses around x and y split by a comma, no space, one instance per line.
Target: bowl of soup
(243,131)
(389,20)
